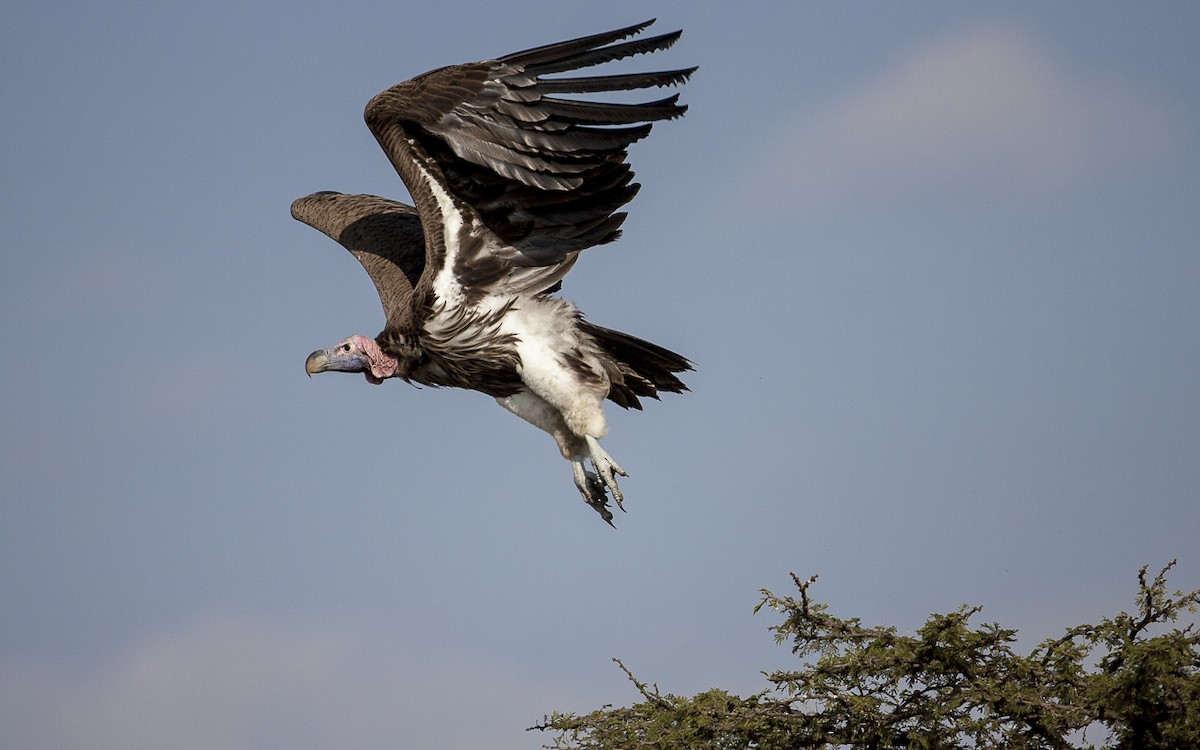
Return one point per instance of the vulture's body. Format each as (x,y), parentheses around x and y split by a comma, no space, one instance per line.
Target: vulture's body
(511,182)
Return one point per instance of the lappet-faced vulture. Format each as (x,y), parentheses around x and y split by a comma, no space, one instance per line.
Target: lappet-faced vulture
(512,180)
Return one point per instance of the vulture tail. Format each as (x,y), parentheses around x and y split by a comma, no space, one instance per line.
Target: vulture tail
(638,368)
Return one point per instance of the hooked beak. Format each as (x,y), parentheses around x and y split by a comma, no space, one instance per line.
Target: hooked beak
(318,361)
(336,360)
(352,355)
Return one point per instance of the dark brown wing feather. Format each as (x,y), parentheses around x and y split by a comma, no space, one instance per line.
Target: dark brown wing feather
(383,234)
(544,174)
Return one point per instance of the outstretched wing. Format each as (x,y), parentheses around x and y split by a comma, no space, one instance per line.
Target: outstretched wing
(383,234)
(511,180)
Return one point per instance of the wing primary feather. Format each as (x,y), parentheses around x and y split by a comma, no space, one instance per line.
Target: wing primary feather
(559,50)
(628,82)
(566,141)
(605,54)
(601,113)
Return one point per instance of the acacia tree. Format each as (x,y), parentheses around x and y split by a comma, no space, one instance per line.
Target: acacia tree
(949,685)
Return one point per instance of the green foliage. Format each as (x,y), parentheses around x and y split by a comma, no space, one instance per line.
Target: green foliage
(949,685)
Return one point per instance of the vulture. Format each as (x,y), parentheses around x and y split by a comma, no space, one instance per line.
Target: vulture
(513,174)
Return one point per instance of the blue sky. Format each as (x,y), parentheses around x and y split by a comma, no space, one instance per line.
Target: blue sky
(937,265)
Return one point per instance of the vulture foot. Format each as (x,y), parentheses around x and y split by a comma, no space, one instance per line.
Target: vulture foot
(606,470)
(596,486)
(592,490)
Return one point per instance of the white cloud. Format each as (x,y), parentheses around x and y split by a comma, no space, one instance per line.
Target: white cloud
(233,684)
(985,108)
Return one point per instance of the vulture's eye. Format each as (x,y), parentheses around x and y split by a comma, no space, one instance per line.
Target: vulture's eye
(345,347)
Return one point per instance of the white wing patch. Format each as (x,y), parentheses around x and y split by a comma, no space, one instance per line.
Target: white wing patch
(542,328)
(447,288)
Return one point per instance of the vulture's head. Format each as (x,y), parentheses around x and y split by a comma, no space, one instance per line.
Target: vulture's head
(356,354)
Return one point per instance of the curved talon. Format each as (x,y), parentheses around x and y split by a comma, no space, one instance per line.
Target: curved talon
(596,486)
(601,507)
(592,489)
(606,470)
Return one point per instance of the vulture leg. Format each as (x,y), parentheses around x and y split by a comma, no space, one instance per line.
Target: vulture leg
(593,486)
(606,469)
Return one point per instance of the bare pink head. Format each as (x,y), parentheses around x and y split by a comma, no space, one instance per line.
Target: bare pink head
(356,354)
